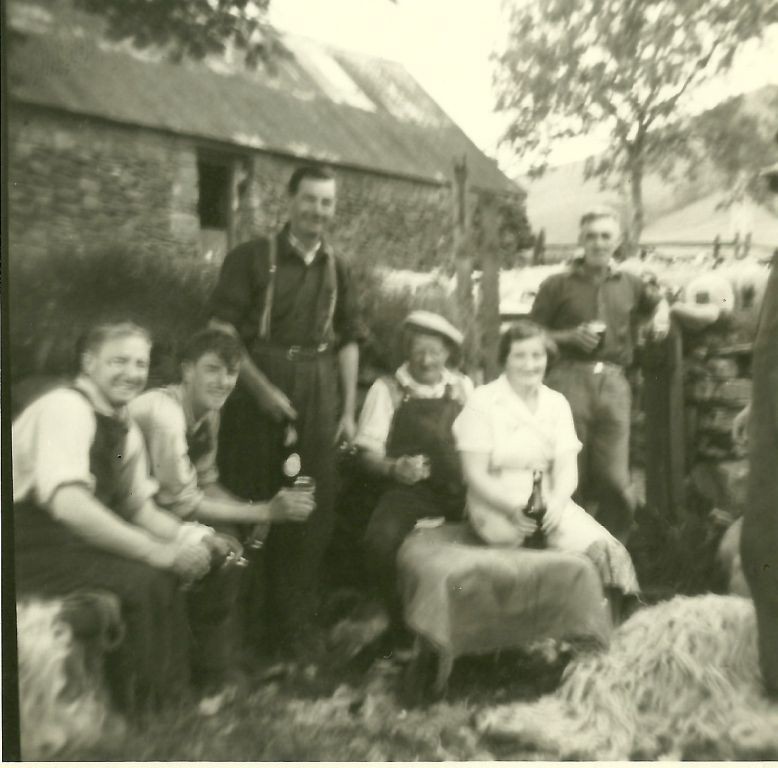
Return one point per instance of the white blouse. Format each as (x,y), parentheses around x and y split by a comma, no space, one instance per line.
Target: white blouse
(496,421)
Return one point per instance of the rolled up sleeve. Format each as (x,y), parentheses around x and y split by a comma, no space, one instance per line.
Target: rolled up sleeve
(375,420)
(234,295)
(545,305)
(163,426)
(60,430)
(347,321)
(565,440)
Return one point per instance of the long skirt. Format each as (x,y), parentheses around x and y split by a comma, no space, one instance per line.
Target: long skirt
(151,665)
(579,532)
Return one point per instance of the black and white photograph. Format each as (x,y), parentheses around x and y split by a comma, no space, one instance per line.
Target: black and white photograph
(389,380)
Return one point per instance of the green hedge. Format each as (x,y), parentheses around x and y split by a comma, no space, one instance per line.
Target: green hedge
(53,299)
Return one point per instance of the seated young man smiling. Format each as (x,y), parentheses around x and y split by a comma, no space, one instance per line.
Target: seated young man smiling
(180,425)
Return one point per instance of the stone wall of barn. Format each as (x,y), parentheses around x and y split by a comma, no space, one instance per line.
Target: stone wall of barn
(78,183)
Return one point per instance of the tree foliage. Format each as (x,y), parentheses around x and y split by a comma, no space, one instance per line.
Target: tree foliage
(738,139)
(194,28)
(573,65)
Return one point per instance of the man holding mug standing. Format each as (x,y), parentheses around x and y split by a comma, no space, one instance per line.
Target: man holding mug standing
(291,300)
(591,311)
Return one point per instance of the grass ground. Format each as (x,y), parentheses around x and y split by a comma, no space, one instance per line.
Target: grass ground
(356,711)
(343,713)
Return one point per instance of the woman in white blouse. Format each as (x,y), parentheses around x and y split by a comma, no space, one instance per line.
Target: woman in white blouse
(514,426)
(405,440)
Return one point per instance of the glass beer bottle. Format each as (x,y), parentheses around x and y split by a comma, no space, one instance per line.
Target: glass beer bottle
(536,510)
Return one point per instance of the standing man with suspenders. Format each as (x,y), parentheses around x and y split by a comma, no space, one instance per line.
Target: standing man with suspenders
(292,303)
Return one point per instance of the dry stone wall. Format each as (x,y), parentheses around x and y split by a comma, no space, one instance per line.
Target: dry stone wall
(79,183)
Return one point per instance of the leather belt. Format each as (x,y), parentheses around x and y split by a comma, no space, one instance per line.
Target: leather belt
(295,352)
(596,366)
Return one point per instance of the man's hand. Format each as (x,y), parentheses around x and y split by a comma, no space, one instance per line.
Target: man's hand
(660,322)
(190,560)
(347,429)
(740,426)
(274,402)
(291,506)
(410,470)
(579,337)
(221,546)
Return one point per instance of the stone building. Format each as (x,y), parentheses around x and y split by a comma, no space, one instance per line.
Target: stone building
(108,144)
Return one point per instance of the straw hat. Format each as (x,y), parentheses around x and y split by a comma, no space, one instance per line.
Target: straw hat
(431,322)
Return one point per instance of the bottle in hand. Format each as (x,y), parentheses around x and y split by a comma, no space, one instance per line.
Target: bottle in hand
(536,510)
(291,465)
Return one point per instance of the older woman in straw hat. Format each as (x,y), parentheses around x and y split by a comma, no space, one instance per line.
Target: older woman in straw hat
(404,437)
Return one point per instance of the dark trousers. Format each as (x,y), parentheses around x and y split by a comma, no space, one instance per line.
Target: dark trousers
(211,607)
(601,405)
(759,540)
(281,594)
(398,510)
(151,665)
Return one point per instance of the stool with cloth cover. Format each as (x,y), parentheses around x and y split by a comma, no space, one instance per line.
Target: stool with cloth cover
(463,597)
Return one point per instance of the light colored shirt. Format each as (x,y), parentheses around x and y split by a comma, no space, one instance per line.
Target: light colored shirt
(52,439)
(496,421)
(306,254)
(165,420)
(375,420)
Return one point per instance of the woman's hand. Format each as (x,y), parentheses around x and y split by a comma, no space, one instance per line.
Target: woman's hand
(553,516)
(410,469)
(525,525)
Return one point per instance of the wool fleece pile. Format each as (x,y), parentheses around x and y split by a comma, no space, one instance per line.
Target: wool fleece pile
(680,680)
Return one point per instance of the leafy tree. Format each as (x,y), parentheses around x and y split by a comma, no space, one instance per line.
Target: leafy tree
(194,28)
(572,65)
(737,138)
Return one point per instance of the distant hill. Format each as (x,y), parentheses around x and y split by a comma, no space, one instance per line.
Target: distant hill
(673,211)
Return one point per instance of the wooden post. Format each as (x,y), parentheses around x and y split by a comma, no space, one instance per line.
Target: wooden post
(716,247)
(462,259)
(539,249)
(489,300)
(463,262)
(663,406)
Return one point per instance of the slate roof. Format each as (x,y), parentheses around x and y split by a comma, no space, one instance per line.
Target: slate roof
(322,103)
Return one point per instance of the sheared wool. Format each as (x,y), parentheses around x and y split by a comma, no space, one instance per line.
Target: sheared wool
(680,680)
(63,705)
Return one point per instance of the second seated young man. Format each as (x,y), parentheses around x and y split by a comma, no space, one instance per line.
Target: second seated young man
(180,426)
(591,310)
(292,302)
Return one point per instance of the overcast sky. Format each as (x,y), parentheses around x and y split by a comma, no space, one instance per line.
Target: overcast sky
(446,45)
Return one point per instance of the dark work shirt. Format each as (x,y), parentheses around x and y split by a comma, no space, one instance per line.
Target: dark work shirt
(569,298)
(239,296)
